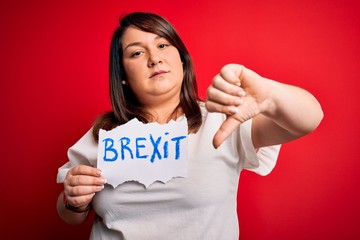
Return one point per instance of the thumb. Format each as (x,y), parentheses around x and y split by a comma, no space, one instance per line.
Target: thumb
(225,130)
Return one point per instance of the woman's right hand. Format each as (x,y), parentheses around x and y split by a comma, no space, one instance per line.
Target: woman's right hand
(80,185)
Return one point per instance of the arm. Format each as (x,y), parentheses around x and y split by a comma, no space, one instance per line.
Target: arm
(67,215)
(80,185)
(291,113)
(280,112)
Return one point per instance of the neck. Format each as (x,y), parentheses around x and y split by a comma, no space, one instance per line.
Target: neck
(165,112)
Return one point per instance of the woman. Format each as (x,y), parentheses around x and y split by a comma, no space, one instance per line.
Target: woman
(240,126)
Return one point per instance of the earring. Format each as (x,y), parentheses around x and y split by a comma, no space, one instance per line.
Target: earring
(123,82)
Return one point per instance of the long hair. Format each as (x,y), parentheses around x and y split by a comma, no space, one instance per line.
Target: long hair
(125,105)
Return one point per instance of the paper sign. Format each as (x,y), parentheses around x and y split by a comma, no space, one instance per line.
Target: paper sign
(143,152)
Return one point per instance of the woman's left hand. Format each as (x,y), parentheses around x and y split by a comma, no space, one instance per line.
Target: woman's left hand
(239,93)
(278,109)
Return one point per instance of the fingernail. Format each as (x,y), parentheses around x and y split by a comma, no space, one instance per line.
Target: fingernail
(241,94)
(233,110)
(239,101)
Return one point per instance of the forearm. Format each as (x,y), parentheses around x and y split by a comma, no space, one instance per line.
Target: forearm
(67,215)
(291,112)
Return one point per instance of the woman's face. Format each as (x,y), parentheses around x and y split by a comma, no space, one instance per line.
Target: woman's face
(153,67)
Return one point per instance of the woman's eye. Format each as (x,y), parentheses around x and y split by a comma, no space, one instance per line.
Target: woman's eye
(163,45)
(136,54)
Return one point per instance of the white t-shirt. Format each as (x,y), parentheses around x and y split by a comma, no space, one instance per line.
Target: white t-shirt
(201,206)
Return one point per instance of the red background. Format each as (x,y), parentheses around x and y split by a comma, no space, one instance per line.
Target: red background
(53,71)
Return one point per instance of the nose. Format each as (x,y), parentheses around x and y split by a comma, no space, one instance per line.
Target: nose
(154,59)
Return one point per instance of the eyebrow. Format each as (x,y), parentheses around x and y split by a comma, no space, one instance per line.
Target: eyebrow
(139,43)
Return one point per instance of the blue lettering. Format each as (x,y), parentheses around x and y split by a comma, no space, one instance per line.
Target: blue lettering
(138,146)
(166,147)
(124,146)
(111,153)
(156,150)
(109,149)
(177,146)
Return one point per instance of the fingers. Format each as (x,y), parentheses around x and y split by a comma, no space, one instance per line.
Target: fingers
(81,195)
(225,92)
(223,96)
(82,175)
(246,111)
(85,170)
(79,201)
(232,73)
(225,130)
(81,183)
(216,107)
(227,95)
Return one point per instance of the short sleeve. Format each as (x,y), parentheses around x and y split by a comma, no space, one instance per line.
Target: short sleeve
(83,152)
(261,161)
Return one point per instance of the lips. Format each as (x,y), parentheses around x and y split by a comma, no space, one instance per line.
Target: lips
(154,74)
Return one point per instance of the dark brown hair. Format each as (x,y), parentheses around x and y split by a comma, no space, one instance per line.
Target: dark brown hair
(125,105)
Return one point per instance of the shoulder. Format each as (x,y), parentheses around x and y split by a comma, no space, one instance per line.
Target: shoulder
(105,121)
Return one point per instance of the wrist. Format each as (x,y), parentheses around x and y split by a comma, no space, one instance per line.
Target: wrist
(80,209)
(269,104)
